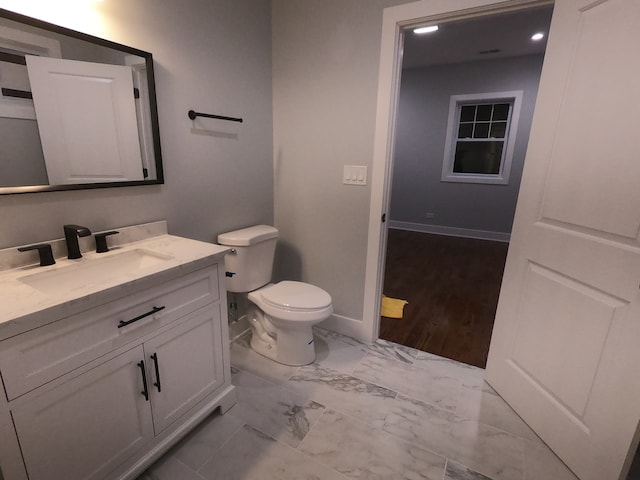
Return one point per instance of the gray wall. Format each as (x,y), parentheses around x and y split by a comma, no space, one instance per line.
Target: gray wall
(420,142)
(21,158)
(215,55)
(326,56)
(210,55)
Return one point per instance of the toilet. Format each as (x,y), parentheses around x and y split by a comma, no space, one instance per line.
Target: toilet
(280,314)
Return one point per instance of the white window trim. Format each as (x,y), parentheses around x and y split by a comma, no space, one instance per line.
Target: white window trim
(28,44)
(502,177)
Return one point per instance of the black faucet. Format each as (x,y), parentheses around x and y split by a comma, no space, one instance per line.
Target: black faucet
(44,251)
(71,234)
(101,241)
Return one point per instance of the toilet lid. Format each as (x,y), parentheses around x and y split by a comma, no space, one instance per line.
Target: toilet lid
(296,295)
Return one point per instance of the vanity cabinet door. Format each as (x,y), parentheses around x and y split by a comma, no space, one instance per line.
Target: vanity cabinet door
(86,426)
(187,361)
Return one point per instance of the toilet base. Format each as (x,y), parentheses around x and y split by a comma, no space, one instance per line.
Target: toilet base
(294,347)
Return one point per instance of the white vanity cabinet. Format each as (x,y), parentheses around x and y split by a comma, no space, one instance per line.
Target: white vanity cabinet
(86,426)
(102,393)
(182,368)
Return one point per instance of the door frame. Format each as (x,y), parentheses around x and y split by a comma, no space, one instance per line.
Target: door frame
(395,21)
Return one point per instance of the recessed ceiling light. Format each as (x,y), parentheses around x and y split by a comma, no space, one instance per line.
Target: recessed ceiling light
(429,29)
(537,36)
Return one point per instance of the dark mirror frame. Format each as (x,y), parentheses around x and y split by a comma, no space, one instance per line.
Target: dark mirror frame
(155,130)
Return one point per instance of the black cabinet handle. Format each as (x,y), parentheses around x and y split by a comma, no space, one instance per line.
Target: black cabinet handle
(140,317)
(156,384)
(144,392)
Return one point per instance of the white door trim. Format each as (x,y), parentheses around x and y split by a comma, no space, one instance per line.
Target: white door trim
(394,21)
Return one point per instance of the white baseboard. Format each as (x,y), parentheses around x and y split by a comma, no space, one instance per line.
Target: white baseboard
(346,326)
(451,231)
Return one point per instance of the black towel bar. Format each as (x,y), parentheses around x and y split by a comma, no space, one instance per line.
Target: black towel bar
(193,115)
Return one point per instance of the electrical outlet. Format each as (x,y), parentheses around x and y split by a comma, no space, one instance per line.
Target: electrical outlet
(431,215)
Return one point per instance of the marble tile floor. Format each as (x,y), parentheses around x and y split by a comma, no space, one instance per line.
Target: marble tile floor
(365,412)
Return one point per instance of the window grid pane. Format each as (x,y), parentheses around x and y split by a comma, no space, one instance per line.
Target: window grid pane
(500,112)
(498,130)
(467,113)
(483,113)
(465,130)
(481,130)
(483,121)
(479,146)
(482,158)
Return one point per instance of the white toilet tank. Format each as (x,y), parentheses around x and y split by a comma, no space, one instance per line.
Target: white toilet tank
(251,265)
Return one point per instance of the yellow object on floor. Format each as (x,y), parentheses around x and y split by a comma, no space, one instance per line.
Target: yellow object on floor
(392,307)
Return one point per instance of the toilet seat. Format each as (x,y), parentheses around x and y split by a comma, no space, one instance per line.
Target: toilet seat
(281,302)
(295,296)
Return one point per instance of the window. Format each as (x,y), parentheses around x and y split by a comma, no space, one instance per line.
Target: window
(14,78)
(480,137)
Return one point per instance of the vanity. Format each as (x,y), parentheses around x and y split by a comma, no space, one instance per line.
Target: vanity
(108,360)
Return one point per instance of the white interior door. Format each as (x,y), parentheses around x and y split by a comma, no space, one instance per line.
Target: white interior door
(87,120)
(565,351)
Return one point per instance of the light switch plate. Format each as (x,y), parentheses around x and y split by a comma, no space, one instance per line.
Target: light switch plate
(354,175)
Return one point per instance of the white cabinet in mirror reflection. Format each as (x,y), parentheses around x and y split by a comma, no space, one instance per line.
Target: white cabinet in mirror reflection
(80,146)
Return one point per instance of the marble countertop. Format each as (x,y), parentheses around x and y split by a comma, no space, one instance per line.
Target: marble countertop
(24,307)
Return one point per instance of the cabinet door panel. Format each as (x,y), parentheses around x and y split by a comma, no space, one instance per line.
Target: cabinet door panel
(189,359)
(79,146)
(11,465)
(86,426)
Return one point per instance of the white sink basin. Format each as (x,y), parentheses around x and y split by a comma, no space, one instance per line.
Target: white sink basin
(91,272)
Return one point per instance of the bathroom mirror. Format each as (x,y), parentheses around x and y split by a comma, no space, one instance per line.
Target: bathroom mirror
(76,111)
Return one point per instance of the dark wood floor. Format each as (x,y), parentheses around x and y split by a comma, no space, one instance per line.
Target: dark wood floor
(452,286)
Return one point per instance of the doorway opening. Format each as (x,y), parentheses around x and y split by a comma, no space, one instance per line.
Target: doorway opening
(465,103)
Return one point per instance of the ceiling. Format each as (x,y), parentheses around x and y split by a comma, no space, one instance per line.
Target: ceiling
(479,38)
